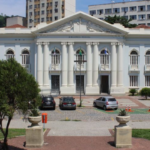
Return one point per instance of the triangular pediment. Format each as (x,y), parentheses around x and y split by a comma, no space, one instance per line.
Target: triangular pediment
(80,23)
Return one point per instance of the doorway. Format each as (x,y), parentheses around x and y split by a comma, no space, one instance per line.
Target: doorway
(55,84)
(78,83)
(104,84)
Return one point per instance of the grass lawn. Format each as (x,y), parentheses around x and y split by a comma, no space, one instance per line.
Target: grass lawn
(141,133)
(13,133)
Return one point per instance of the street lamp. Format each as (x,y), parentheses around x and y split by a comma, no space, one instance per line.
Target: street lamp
(80,61)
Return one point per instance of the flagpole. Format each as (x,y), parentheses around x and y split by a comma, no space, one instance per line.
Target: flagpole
(80,83)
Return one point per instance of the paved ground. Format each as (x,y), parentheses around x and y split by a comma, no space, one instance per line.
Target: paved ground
(78,143)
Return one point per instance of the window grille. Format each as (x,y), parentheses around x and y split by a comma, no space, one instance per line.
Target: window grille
(147,58)
(55,57)
(133,58)
(104,58)
(25,57)
(9,54)
(133,81)
(147,80)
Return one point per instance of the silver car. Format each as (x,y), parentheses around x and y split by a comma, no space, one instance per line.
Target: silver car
(106,102)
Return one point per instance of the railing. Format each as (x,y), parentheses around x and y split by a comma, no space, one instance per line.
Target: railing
(134,68)
(104,67)
(77,67)
(147,68)
(27,67)
(55,67)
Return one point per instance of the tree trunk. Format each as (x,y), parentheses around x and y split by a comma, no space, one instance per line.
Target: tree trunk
(6,132)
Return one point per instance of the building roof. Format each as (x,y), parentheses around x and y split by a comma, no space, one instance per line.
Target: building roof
(143,26)
(16,26)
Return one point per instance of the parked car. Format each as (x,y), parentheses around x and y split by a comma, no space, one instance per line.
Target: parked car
(48,102)
(67,103)
(106,102)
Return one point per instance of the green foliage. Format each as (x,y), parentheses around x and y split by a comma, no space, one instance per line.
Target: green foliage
(3,21)
(122,112)
(17,88)
(120,19)
(145,92)
(133,91)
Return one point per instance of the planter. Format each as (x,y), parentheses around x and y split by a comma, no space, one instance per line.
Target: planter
(123,119)
(34,120)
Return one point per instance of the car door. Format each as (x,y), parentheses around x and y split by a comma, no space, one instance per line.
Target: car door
(103,101)
(98,102)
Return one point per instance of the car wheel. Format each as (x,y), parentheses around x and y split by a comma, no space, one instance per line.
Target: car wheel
(94,104)
(104,107)
(74,108)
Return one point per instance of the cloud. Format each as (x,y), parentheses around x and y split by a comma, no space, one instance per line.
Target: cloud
(13,7)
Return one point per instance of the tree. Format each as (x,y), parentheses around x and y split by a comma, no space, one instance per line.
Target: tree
(133,91)
(120,19)
(145,92)
(17,88)
(3,21)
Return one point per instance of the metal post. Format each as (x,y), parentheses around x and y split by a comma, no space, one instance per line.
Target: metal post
(80,83)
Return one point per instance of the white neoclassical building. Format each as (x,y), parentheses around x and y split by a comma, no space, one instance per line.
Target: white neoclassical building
(118,58)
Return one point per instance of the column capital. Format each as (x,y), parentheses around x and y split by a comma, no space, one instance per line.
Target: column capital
(70,43)
(113,43)
(120,43)
(63,43)
(95,43)
(46,43)
(89,43)
(39,43)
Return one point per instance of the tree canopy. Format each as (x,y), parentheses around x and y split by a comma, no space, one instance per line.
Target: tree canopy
(120,19)
(17,88)
(3,21)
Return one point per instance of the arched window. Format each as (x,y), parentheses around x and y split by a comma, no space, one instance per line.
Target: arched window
(9,54)
(79,56)
(55,57)
(104,57)
(133,58)
(25,57)
(147,58)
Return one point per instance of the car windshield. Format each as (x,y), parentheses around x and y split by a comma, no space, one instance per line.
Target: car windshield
(68,100)
(48,99)
(111,99)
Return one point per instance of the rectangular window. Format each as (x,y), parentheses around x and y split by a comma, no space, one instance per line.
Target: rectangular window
(124,9)
(42,12)
(104,59)
(141,17)
(147,59)
(133,81)
(47,18)
(30,6)
(92,12)
(43,4)
(56,18)
(116,10)
(30,20)
(147,80)
(141,8)
(51,3)
(56,10)
(42,19)
(50,18)
(133,60)
(56,4)
(133,8)
(25,59)
(38,19)
(133,17)
(108,11)
(148,16)
(148,7)
(99,12)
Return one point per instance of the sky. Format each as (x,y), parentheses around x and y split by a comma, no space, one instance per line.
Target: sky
(17,7)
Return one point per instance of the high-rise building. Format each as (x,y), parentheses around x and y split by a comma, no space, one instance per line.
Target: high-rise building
(138,11)
(38,11)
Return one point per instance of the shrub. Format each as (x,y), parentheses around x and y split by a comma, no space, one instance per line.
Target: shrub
(122,112)
(145,92)
(133,91)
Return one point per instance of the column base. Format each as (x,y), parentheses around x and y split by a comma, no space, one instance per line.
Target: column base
(117,90)
(92,90)
(69,90)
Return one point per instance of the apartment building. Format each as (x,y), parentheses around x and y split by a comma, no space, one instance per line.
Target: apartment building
(38,11)
(138,11)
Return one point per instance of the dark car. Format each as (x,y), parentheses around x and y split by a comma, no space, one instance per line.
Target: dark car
(67,103)
(48,102)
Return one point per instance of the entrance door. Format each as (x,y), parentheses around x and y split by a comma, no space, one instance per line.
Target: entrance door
(104,84)
(78,84)
(55,83)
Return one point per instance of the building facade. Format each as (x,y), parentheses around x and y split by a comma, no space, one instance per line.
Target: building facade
(138,11)
(118,58)
(38,11)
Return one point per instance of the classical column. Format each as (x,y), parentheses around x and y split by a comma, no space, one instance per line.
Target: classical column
(89,64)
(95,64)
(64,64)
(114,65)
(46,64)
(120,64)
(70,63)
(39,64)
